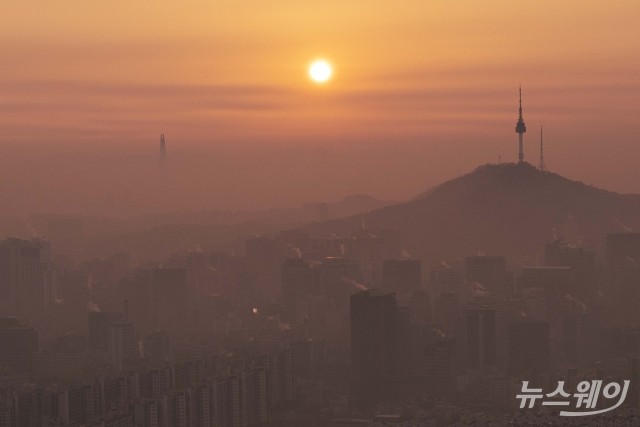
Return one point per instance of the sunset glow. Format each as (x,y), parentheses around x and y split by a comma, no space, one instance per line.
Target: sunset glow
(417,80)
(320,71)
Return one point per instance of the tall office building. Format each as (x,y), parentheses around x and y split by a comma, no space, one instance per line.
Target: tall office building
(157,348)
(148,413)
(440,367)
(308,357)
(201,404)
(99,323)
(481,336)
(253,397)
(374,320)
(179,409)
(579,328)
(447,312)
(279,375)
(155,383)
(25,279)
(18,343)
(623,274)
(444,278)
(121,344)
(225,401)
(488,271)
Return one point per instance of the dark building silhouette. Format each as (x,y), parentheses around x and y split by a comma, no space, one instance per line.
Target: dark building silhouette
(121,345)
(447,312)
(25,280)
(308,357)
(488,271)
(374,320)
(69,357)
(99,323)
(481,336)
(444,278)
(440,367)
(579,328)
(419,305)
(623,273)
(157,347)
(18,343)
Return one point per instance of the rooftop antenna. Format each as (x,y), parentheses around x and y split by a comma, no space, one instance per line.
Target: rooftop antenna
(542,166)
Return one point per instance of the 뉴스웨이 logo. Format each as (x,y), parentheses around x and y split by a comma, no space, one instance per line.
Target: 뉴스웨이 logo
(581,403)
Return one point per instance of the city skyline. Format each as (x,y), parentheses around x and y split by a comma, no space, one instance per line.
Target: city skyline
(284,214)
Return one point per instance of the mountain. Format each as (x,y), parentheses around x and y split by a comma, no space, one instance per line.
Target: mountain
(155,237)
(355,204)
(505,209)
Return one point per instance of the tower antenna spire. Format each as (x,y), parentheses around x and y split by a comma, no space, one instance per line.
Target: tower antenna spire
(520,128)
(542,165)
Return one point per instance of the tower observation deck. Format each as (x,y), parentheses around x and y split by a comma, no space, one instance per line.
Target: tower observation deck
(520,130)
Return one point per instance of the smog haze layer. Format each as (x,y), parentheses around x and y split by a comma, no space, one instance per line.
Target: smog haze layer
(421,92)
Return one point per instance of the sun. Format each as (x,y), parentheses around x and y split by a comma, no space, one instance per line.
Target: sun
(320,71)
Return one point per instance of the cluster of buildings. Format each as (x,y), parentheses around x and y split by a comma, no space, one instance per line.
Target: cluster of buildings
(238,390)
(297,325)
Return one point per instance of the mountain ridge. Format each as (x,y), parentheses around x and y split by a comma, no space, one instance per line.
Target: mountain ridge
(510,209)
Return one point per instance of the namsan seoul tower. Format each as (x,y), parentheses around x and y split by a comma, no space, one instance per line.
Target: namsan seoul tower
(520,129)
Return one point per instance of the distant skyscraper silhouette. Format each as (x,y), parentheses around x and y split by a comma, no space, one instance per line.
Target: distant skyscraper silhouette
(374,340)
(542,166)
(520,130)
(481,336)
(163,155)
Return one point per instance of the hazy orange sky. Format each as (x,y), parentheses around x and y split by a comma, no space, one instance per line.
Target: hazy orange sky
(423,90)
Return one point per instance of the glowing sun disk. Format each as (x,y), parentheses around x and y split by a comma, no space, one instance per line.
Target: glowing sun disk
(320,71)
